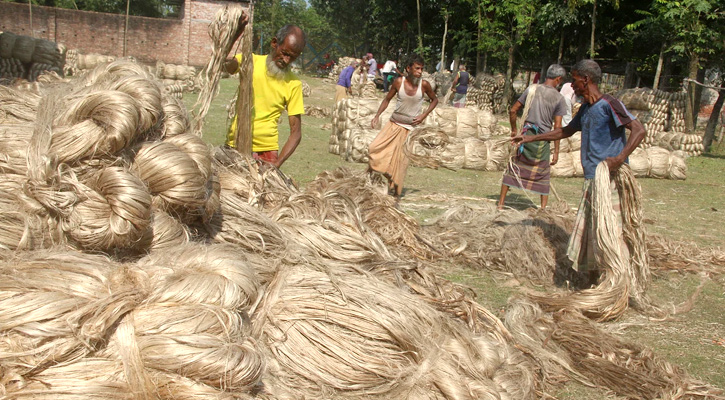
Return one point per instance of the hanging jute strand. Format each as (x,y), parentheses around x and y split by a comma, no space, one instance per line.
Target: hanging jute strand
(224,31)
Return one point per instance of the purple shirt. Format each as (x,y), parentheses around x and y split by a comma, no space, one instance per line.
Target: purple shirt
(345,76)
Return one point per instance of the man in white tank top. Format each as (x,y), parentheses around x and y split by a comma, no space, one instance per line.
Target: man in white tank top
(386,150)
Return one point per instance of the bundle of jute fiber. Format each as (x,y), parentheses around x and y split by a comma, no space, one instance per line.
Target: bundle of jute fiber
(380,342)
(656,162)
(224,31)
(90,61)
(342,63)
(174,324)
(621,259)
(425,145)
(173,71)
(306,89)
(460,123)
(98,162)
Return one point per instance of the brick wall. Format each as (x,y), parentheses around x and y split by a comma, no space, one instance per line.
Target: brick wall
(176,41)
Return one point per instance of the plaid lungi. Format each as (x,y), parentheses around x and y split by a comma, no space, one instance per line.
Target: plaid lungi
(582,249)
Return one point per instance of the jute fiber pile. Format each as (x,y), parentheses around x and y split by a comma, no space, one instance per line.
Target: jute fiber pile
(261,291)
(663,115)
(26,57)
(342,63)
(252,317)
(317,112)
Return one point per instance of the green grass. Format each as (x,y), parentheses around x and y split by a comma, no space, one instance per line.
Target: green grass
(690,210)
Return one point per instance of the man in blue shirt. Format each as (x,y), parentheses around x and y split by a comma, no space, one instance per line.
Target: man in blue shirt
(343,89)
(602,120)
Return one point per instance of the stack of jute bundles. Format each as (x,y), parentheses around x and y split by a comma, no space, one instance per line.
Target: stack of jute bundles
(351,126)
(251,316)
(342,63)
(457,138)
(442,81)
(26,57)
(177,79)
(663,116)
(675,138)
(649,162)
(488,93)
(306,89)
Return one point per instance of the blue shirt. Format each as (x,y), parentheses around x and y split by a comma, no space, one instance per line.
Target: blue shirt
(603,133)
(345,76)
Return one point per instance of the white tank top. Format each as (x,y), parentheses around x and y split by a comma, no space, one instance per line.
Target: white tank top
(407,107)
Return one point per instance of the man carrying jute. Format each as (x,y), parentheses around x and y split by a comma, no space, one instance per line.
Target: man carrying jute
(386,150)
(602,120)
(343,89)
(276,88)
(543,109)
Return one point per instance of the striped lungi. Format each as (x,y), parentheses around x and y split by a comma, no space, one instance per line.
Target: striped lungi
(583,240)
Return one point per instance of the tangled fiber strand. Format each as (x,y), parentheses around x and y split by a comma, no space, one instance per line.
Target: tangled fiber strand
(26,223)
(265,189)
(175,118)
(566,343)
(224,31)
(675,255)
(14,143)
(367,193)
(353,336)
(523,244)
(58,306)
(424,145)
(174,325)
(17,106)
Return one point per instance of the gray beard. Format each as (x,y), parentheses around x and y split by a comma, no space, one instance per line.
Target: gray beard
(274,70)
(415,81)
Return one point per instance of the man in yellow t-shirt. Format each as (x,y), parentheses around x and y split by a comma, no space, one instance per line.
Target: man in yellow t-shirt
(275,88)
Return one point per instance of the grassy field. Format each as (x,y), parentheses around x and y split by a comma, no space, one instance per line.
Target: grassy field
(689,211)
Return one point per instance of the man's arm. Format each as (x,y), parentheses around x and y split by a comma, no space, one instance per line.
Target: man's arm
(428,90)
(557,125)
(556,134)
(512,117)
(384,105)
(295,137)
(455,82)
(637,133)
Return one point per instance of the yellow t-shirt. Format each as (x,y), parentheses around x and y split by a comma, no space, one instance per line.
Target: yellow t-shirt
(271,96)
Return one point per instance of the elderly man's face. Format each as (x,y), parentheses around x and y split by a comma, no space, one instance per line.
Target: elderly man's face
(579,83)
(286,53)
